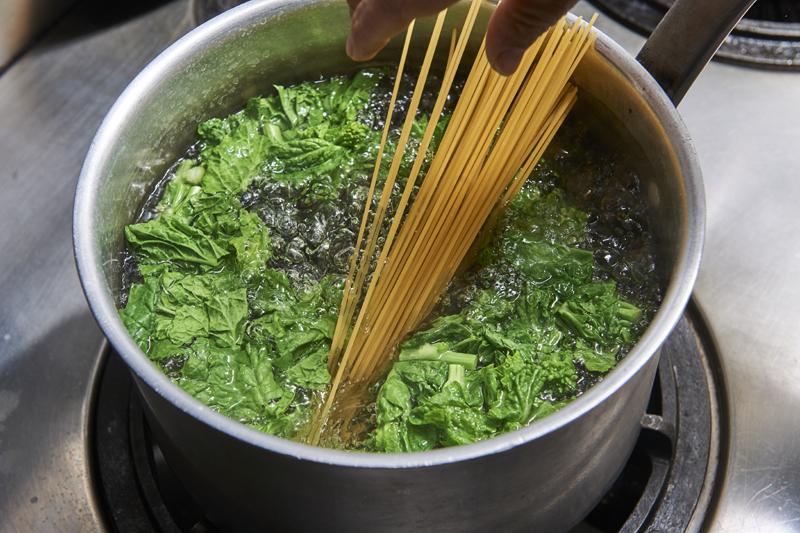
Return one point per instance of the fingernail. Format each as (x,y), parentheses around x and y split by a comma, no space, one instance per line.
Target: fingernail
(349,46)
(508,60)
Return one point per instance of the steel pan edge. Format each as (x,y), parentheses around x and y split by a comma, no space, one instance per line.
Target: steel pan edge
(546,484)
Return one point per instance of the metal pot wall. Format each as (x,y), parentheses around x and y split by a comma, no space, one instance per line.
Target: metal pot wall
(545,477)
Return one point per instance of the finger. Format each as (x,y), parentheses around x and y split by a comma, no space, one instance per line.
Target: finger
(353,4)
(514,27)
(374,22)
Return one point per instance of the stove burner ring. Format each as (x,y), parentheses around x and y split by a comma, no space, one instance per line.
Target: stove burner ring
(667,485)
(768,36)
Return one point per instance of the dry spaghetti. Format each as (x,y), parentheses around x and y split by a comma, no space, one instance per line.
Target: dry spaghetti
(498,131)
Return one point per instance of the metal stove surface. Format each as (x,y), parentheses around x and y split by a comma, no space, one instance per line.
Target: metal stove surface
(746,127)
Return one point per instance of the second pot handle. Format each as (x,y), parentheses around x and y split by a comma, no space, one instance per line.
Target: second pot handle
(686,39)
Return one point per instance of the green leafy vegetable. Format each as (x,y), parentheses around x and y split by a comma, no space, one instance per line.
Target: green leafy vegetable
(438,352)
(172,240)
(251,340)
(541,320)
(304,135)
(228,329)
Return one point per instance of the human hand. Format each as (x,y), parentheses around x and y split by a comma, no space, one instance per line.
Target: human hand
(513,27)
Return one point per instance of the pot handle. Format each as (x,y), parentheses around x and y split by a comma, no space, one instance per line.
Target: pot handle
(686,39)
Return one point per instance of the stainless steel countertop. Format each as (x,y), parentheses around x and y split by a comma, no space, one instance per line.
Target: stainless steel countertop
(51,103)
(746,127)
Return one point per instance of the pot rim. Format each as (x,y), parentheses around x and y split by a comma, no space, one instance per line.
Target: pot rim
(188,48)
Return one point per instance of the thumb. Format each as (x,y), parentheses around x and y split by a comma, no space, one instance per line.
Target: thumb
(514,27)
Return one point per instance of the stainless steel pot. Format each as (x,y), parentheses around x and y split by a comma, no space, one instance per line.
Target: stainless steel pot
(545,477)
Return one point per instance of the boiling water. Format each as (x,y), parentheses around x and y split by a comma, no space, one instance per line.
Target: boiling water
(311,241)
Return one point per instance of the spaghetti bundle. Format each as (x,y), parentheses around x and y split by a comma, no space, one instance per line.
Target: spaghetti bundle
(497,133)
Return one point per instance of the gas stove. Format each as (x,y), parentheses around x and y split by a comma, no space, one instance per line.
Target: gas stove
(717,450)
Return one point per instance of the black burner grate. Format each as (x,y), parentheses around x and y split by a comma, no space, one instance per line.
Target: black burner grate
(666,486)
(767,37)
(775,11)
